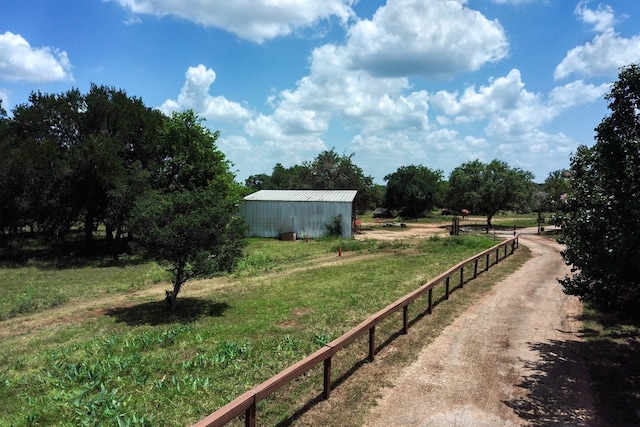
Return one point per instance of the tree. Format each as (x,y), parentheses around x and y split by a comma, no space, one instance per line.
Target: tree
(73,156)
(193,233)
(328,171)
(555,186)
(601,225)
(413,190)
(190,224)
(488,188)
(294,178)
(44,133)
(121,139)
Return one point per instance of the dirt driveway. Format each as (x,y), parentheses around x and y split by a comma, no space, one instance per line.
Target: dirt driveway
(512,359)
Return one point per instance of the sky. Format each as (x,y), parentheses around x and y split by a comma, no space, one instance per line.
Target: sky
(394,83)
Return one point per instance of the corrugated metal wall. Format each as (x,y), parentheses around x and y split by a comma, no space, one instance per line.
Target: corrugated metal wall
(268,218)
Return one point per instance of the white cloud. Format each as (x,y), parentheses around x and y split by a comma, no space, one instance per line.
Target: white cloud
(388,118)
(514,115)
(576,93)
(20,61)
(435,38)
(274,136)
(509,105)
(195,95)
(256,20)
(504,93)
(602,19)
(605,54)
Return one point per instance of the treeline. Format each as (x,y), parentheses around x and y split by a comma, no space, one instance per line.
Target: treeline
(414,191)
(74,160)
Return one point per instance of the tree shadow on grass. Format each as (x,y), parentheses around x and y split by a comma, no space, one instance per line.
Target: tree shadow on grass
(157,312)
(568,373)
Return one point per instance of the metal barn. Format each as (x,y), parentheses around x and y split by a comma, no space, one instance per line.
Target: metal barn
(273,213)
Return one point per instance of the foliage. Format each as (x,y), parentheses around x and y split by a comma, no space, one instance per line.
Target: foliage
(413,190)
(191,226)
(75,159)
(328,171)
(334,228)
(556,187)
(601,225)
(488,188)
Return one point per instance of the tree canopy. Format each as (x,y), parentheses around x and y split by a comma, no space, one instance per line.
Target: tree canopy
(328,171)
(76,159)
(488,188)
(190,223)
(601,225)
(413,190)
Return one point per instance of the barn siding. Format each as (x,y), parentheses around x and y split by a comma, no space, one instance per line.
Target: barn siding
(270,218)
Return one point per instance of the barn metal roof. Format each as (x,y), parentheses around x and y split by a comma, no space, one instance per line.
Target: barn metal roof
(303,195)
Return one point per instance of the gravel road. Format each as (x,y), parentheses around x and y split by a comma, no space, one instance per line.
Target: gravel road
(512,359)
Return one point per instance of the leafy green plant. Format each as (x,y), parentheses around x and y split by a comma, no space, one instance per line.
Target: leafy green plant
(334,228)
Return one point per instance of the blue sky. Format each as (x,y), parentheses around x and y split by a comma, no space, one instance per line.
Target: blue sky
(397,83)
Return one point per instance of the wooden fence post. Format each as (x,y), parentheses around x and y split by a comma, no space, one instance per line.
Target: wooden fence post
(372,343)
(430,310)
(462,277)
(250,415)
(327,378)
(446,294)
(405,319)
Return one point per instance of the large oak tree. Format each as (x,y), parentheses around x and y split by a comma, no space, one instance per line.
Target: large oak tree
(486,188)
(413,190)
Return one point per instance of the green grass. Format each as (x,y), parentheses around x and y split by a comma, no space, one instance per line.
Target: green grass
(136,365)
(39,285)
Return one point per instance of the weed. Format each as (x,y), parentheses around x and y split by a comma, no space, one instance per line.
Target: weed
(157,274)
(25,302)
(255,264)
(335,227)
(323,338)
(392,244)
(351,245)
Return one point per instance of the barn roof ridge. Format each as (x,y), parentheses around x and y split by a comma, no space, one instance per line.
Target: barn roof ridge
(303,195)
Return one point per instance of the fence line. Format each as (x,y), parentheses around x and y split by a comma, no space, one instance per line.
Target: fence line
(246,403)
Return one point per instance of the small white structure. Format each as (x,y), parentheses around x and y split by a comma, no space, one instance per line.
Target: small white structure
(307,213)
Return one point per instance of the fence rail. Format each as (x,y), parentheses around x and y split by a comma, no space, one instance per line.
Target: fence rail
(246,403)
